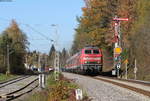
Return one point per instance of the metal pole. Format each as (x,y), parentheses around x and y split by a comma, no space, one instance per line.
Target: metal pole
(56,62)
(117,36)
(126,72)
(119,45)
(43,80)
(40,80)
(117,42)
(39,64)
(135,76)
(135,70)
(8,64)
(115,45)
(117,73)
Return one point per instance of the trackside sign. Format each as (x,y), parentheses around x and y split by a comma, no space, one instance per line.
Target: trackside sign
(117,50)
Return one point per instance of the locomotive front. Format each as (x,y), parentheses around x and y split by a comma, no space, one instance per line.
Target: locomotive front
(92,60)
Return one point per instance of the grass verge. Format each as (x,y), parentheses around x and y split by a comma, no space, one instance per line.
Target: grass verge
(4,77)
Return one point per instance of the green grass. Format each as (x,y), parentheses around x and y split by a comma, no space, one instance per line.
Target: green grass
(51,81)
(4,77)
(38,96)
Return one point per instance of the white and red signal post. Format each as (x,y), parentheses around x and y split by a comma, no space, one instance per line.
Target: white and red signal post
(117,43)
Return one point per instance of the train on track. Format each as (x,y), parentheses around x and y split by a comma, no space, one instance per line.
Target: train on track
(87,60)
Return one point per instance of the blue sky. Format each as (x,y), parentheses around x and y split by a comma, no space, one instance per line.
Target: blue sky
(41,14)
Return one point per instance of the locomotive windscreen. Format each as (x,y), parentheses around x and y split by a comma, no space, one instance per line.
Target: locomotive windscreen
(88,52)
(95,51)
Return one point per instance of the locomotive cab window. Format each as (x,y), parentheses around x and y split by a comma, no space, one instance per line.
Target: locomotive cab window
(88,51)
(96,52)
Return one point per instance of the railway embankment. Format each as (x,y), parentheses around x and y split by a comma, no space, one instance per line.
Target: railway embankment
(109,90)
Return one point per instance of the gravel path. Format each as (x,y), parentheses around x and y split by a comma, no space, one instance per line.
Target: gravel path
(102,91)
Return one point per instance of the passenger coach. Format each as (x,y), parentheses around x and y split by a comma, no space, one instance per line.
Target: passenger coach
(88,60)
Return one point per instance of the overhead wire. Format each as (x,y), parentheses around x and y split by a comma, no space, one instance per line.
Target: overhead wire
(27,25)
(33,29)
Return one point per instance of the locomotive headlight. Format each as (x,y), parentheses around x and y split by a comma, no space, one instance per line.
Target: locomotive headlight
(85,58)
(95,58)
(98,58)
(85,62)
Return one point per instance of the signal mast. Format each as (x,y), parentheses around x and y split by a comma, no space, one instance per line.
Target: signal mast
(117,43)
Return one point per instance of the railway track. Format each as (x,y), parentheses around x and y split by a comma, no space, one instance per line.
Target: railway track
(141,87)
(2,82)
(8,95)
(145,83)
(8,82)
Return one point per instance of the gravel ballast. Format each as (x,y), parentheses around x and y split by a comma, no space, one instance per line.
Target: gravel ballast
(102,91)
(17,85)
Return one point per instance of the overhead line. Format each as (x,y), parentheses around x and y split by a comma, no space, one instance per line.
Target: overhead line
(27,25)
(38,32)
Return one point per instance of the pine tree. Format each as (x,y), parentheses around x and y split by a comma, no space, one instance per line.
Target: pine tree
(63,57)
(51,57)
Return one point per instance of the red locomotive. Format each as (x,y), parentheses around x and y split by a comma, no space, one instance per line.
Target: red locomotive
(88,60)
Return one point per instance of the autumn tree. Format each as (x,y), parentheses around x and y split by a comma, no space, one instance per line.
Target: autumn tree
(94,26)
(32,59)
(17,42)
(139,40)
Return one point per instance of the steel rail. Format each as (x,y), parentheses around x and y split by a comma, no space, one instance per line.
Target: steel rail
(135,89)
(13,81)
(12,95)
(10,80)
(146,83)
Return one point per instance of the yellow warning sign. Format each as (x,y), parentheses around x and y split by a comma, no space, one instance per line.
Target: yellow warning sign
(117,50)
